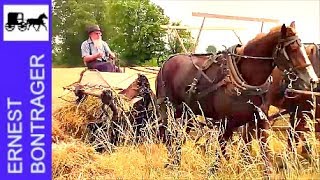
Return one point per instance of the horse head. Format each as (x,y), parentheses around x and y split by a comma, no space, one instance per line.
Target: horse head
(290,56)
(43,16)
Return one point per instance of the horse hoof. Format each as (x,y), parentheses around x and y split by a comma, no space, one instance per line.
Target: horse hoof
(166,165)
(214,168)
(248,159)
(170,166)
(268,172)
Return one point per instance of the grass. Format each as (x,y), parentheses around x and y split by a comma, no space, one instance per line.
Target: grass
(75,158)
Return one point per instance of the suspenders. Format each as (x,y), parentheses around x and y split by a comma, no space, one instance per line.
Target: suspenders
(104,47)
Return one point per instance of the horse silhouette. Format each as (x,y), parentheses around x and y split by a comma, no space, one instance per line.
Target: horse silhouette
(38,21)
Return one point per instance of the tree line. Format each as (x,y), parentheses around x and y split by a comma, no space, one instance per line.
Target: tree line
(132,29)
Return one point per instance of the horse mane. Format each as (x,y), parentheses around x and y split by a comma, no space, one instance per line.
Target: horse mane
(263,35)
(260,36)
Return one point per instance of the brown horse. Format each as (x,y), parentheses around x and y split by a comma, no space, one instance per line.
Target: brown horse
(231,85)
(297,105)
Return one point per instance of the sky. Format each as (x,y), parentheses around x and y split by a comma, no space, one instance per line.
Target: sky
(305,13)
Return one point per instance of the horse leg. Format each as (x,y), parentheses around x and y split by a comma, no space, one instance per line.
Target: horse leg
(247,133)
(177,136)
(250,130)
(45,27)
(185,117)
(298,123)
(303,127)
(223,142)
(165,129)
(263,126)
(222,138)
(308,114)
(162,106)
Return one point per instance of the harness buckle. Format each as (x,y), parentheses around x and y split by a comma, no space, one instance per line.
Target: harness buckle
(237,91)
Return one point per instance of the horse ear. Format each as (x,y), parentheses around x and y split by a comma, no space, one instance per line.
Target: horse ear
(293,24)
(312,51)
(283,31)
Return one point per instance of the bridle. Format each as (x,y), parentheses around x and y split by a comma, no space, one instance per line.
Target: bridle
(280,59)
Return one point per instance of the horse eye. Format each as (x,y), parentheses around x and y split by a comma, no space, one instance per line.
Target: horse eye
(294,46)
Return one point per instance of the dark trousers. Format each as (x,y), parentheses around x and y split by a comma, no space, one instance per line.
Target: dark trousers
(103,66)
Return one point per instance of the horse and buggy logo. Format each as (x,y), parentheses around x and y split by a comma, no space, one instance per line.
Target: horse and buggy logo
(25,22)
(16,19)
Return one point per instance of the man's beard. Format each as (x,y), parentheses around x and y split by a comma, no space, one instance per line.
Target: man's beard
(98,43)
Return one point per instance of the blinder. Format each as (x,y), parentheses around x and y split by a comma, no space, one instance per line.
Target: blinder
(280,55)
(282,59)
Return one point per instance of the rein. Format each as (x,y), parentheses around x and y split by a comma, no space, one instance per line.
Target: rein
(251,57)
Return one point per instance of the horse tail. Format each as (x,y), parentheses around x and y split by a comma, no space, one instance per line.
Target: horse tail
(161,103)
(160,82)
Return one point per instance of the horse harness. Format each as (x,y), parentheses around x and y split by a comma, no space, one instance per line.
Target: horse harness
(232,77)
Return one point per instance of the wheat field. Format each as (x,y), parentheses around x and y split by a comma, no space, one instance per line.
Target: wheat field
(75,158)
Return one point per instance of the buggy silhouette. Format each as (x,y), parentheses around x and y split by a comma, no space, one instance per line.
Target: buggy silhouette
(13,21)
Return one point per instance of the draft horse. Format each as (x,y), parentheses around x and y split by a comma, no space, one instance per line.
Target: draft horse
(299,106)
(231,85)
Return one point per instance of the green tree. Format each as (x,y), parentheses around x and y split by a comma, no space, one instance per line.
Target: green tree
(174,43)
(211,49)
(134,28)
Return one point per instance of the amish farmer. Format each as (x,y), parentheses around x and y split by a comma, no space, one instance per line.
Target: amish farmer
(96,53)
